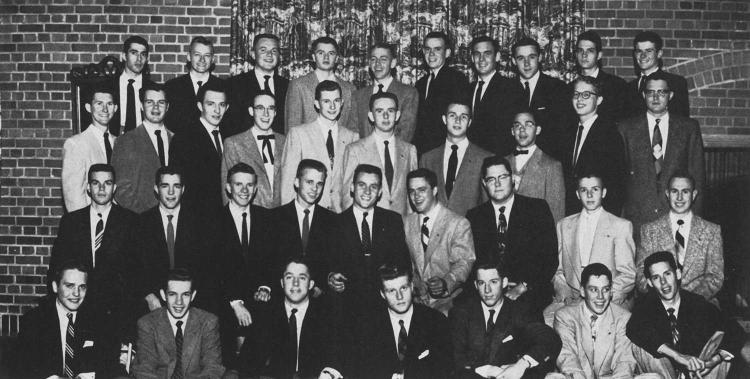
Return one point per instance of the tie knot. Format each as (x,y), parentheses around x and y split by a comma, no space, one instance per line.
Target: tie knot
(294,311)
(401,322)
(492,313)
(670,311)
(131,81)
(215,133)
(266,77)
(385,142)
(481,83)
(593,318)
(200,83)
(306,211)
(454,147)
(179,324)
(169,217)
(680,222)
(424,220)
(364,214)
(526,84)
(658,120)
(106,134)
(432,75)
(157,132)
(70,316)
(502,209)
(244,214)
(580,125)
(100,215)
(380,88)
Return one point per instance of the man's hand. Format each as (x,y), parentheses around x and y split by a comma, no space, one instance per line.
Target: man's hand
(316,291)
(710,364)
(692,363)
(514,371)
(516,292)
(242,314)
(262,294)
(86,375)
(153,302)
(437,287)
(330,373)
(337,281)
(397,375)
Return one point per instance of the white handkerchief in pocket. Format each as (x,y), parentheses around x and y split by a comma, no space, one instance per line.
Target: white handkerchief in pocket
(508,338)
(88,344)
(424,354)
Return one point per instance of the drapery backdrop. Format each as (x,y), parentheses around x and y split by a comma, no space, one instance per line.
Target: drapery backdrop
(357,24)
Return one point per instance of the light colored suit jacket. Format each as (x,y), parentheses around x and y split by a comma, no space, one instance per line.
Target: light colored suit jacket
(467,189)
(308,142)
(244,148)
(79,153)
(135,161)
(449,255)
(366,151)
(608,356)
(408,101)
(613,247)
(703,268)
(541,178)
(201,350)
(300,108)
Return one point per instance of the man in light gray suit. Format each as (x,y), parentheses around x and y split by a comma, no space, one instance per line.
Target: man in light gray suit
(536,174)
(323,140)
(299,108)
(260,148)
(440,244)
(382,64)
(383,149)
(138,154)
(457,162)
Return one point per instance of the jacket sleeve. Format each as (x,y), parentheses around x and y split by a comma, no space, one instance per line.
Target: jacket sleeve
(625,274)
(461,255)
(294,109)
(147,359)
(124,162)
(408,122)
(211,349)
(555,191)
(568,361)
(74,173)
(290,158)
(622,360)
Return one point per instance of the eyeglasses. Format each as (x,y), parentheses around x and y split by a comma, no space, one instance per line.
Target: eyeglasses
(527,124)
(491,180)
(659,92)
(261,108)
(585,95)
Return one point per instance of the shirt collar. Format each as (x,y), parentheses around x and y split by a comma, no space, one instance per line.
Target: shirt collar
(651,71)
(164,211)
(261,80)
(100,129)
(379,140)
(532,81)
(105,213)
(432,214)
(173,321)
(508,205)
(595,74)
(663,120)
(358,213)
(195,77)
(386,83)
(531,149)
(125,76)
(587,124)
(686,218)
(462,144)
(436,71)
(62,312)
(236,210)
(406,316)
(301,308)
(151,127)
(489,79)
(299,207)
(591,215)
(497,307)
(676,306)
(209,128)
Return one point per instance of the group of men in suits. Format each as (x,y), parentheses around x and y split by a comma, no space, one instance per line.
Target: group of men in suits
(320,184)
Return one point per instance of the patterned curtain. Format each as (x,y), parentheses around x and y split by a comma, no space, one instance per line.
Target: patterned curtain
(357,24)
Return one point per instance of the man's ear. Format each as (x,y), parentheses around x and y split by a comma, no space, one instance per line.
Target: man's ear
(228,189)
(88,107)
(122,57)
(163,295)
(370,117)
(114,189)
(382,294)
(679,274)
(192,296)
(538,129)
(648,283)
(695,194)
(599,100)
(54,286)
(200,106)
(311,284)
(445,121)
(604,193)
(447,53)
(505,282)
(156,190)
(251,111)
(398,115)
(393,63)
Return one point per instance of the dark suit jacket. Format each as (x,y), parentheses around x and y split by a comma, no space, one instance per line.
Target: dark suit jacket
(679,105)
(644,191)
(493,116)
(616,93)
(602,152)
(429,337)
(697,320)
(39,349)
(552,109)
(193,151)
(408,100)
(242,90)
(183,108)
(289,241)
(515,334)
(271,353)
(449,85)
(531,245)
(114,123)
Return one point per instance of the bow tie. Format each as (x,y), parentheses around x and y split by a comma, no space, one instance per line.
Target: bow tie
(520,152)
(266,137)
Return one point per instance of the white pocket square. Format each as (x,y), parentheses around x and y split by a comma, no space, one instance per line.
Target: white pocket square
(541,108)
(508,338)
(88,344)
(424,354)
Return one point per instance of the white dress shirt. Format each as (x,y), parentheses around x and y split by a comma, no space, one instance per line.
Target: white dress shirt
(386,83)
(267,165)
(300,317)
(486,311)
(663,128)
(236,213)
(484,88)
(165,221)
(210,130)
(62,317)
(196,77)
(262,81)
(334,133)
(522,159)
(508,207)
(586,129)
(447,151)
(173,322)
(432,214)
(94,219)
(150,129)
(137,84)
(100,130)
(684,230)
(379,142)
(395,318)
(359,215)
(585,237)
(301,215)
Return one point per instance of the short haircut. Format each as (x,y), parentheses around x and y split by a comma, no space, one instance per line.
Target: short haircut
(179,274)
(367,169)
(591,174)
(311,164)
(383,45)
(298,260)
(327,86)
(491,263)
(480,39)
(240,167)
(135,39)
(525,41)
(101,88)
(464,103)
(660,256)
(215,86)
(325,40)
(523,110)
(440,35)
(592,36)
(70,264)
(101,167)
(682,174)
(261,36)
(203,41)
(383,95)
(594,82)
(424,173)
(251,101)
(657,75)
(151,86)
(648,36)
(595,269)
(495,160)
(167,170)
(390,271)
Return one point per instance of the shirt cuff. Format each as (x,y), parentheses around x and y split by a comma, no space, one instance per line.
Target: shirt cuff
(267,288)
(725,355)
(532,361)
(235,302)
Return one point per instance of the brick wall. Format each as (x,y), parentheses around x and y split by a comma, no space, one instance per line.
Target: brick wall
(41,40)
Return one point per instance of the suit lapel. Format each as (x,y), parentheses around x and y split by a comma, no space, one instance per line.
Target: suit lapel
(145,141)
(190,340)
(694,246)
(571,229)
(401,160)
(586,339)
(604,340)
(438,228)
(601,232)
(166,336)
(413,225)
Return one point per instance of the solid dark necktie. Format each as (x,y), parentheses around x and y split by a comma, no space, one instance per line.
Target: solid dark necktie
(402,341)
(177,374)
(98,237)
(70,353)
(450,176)
(478,95)
(244,237)
(656,145)
(366,238)
(579,136)
(425,234)
(527,92)
(266,85)
(502,227)
(160,148)
(329,146)
(673,326)
(170,240)
(380,88)
(520,152)
(305,230)
(388,165)
(293,335)
(266,147)
(491,321)
(429,84)
(217,141)
(200,83)
(592,325)
(130,107)
(107,147)
(641,83)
